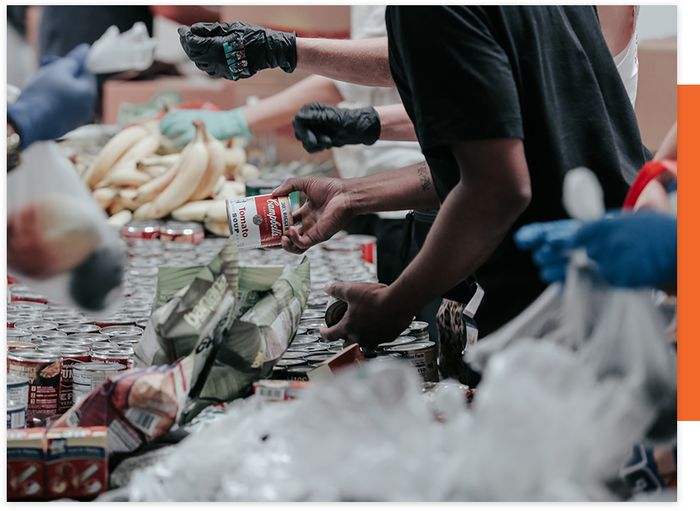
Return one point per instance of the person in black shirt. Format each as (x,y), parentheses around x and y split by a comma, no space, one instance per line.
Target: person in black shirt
(504,101)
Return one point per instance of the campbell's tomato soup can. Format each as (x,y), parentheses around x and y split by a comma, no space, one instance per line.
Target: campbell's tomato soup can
(43,370)
(367,245)
(89,338)
(260,221)
(79,328)
(36,326)
(49,335)
(119,331)
(140,230)
(182,232)
(18,335)
(20,345)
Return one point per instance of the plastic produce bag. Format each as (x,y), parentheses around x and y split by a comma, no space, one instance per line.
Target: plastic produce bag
(543,426)
(114,52)
(86,252)
(617,332)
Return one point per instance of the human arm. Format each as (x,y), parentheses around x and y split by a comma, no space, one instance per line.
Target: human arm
(331,203)
(239,50)
(617,22)
(187,14)
(320,127)
(668,150)
(269,113)
(494,189)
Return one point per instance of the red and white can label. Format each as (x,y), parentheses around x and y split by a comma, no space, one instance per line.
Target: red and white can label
(260,221)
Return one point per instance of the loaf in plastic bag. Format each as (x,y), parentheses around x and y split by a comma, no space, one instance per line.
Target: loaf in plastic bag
(84,257)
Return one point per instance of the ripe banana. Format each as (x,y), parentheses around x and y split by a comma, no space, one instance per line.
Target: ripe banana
(235,157)
(120,219)
(125,176)
(144,147)
(190,170)
(128,198)
(149,191)
(247,172)
(214,170)
(231,190)
(105,196)
(152,170)
(115,149)
(116,206)
(194,211)
(219,184)
(144,212)
(218,228)
(216,211)
(158,160)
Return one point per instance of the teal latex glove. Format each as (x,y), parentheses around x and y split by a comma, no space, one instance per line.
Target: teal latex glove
(177,125)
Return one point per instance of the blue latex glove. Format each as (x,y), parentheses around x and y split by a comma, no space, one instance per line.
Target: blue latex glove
(177,125)
(550,243)
(60,97)
(630,249)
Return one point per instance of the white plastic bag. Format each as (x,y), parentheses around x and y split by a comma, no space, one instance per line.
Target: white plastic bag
(95,256)
(617,332)
(115,52)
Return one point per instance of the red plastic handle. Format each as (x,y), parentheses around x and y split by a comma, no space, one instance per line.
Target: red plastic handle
(652,170)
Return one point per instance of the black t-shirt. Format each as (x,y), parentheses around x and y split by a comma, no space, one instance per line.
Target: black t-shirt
(539,73)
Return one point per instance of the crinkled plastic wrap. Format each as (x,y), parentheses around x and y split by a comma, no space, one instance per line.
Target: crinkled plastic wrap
(141,405)
(259,328)
(88,252)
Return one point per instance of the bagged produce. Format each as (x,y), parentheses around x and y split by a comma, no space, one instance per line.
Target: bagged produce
(267,311)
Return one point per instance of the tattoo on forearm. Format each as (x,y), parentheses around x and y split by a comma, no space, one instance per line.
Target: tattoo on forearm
(424,176)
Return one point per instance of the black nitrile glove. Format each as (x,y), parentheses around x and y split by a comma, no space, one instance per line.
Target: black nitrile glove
(238,50)
(321,127)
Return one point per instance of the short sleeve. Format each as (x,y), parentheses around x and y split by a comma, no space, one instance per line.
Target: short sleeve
(459,78)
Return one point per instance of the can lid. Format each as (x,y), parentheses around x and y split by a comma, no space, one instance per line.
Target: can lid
(416,346)
(99,366)
(33,355)
(399,341)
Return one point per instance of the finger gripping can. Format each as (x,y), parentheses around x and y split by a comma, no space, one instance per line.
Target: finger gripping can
(260,221)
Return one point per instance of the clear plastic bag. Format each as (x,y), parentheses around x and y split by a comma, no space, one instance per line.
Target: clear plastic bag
(115,52)
(86,250)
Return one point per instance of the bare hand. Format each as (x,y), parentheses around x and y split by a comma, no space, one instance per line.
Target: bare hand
(27,251)
(371,317)
(326,211)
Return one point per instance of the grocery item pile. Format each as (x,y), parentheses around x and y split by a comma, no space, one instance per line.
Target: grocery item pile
(137,175)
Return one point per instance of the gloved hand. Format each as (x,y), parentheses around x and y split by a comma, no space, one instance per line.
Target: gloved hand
(59,98)
(550,243)
(177,124)
(238,50)
(630,249)
(320,127)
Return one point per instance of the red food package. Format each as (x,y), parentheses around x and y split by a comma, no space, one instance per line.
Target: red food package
(76,462)
(25,464)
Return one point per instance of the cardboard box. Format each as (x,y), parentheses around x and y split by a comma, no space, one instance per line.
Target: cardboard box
(305,20)
(656,96)
(76,462)
(25,464)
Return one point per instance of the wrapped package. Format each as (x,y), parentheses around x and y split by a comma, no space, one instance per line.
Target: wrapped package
(141,405)
(257,331)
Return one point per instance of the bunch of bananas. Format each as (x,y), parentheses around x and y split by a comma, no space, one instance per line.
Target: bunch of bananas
(131,180)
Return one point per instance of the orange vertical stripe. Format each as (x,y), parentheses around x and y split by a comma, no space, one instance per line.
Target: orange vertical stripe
(688,252)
